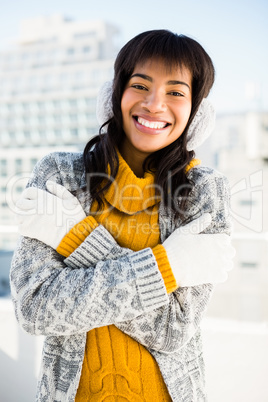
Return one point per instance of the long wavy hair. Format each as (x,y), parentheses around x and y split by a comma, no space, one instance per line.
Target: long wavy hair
(168,164)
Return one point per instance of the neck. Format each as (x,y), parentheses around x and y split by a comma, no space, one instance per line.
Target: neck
(134,158)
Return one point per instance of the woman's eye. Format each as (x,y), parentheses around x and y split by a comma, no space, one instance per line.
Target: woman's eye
(174,93)
(138,86)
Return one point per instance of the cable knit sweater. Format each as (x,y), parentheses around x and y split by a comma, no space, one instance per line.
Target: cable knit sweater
(101,283)
(115,365)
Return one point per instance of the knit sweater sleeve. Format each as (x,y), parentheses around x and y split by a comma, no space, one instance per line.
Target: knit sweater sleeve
(168,328)
(78,234)
(114,285)
(53,296)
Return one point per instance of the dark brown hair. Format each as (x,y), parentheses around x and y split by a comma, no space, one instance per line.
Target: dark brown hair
(168,163)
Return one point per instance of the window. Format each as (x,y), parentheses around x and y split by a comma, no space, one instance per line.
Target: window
(18,107)
(18,165)
(72,103)
(247,202)
(12,135)
(81,35)
(41,105)
(27,135)
(19,189)
(18,162)
(64,77)
(56,104)
(73,118)
(249,264)
(96,76)
(57,133)
(3,167)
(41,120)
(9,121)
(33,162)
(42,134)
(25,107)
(90,102)
(57,118)
(40,56)
(90,116)
(24,56)
(86,49)
(4,285)
(35,137)
(3,172)
(33,107)
(91,131)
(70,51)
(79,77)
(26,120)
(49,105)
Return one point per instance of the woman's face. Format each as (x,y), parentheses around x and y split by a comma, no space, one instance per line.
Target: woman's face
(156,105)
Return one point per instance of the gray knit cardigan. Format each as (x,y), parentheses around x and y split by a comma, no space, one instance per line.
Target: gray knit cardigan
(101,283)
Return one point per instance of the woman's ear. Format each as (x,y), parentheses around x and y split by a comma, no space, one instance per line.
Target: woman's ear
(104,109)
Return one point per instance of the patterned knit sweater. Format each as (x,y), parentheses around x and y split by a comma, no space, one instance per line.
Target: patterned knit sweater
(115,365)
(101,283)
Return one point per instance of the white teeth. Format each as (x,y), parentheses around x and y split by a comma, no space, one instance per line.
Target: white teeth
(151,124)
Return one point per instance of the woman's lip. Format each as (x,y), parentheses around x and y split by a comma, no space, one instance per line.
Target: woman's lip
(148,130)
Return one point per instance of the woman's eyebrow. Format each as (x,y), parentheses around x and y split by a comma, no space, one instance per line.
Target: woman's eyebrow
(148,78)
(144,76)
(175,82)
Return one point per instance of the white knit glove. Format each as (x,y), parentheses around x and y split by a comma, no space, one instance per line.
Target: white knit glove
(48,216)
(195,258)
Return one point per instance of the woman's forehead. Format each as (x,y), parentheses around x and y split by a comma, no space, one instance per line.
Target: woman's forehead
(160,64)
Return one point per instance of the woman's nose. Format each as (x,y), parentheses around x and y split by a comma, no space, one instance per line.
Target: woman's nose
(154,102)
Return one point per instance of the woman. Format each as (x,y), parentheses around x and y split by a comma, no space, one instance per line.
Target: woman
(112,267)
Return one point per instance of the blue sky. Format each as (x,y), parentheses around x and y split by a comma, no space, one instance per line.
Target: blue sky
(234,32)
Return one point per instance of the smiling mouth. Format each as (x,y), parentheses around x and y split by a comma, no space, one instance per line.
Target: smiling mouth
(151,124)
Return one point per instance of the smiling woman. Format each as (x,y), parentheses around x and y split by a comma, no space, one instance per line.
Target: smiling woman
(131,235)
(187,73)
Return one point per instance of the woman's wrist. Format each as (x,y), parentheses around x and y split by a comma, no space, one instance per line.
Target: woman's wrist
(165,268)
(76,236)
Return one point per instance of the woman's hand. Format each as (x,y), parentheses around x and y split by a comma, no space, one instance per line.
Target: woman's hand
(48,216)
(197,258)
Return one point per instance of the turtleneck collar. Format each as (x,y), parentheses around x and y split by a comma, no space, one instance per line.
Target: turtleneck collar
(129,193)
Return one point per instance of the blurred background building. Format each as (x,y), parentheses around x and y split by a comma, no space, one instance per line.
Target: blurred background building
(239,149)
(48,86)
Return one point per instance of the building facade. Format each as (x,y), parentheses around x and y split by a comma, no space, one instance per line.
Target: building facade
(48,86)
(240,148)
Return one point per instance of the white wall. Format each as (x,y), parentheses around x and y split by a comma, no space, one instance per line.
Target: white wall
(20,356)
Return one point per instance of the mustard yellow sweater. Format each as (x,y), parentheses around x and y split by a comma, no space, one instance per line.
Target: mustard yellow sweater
(116,367)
